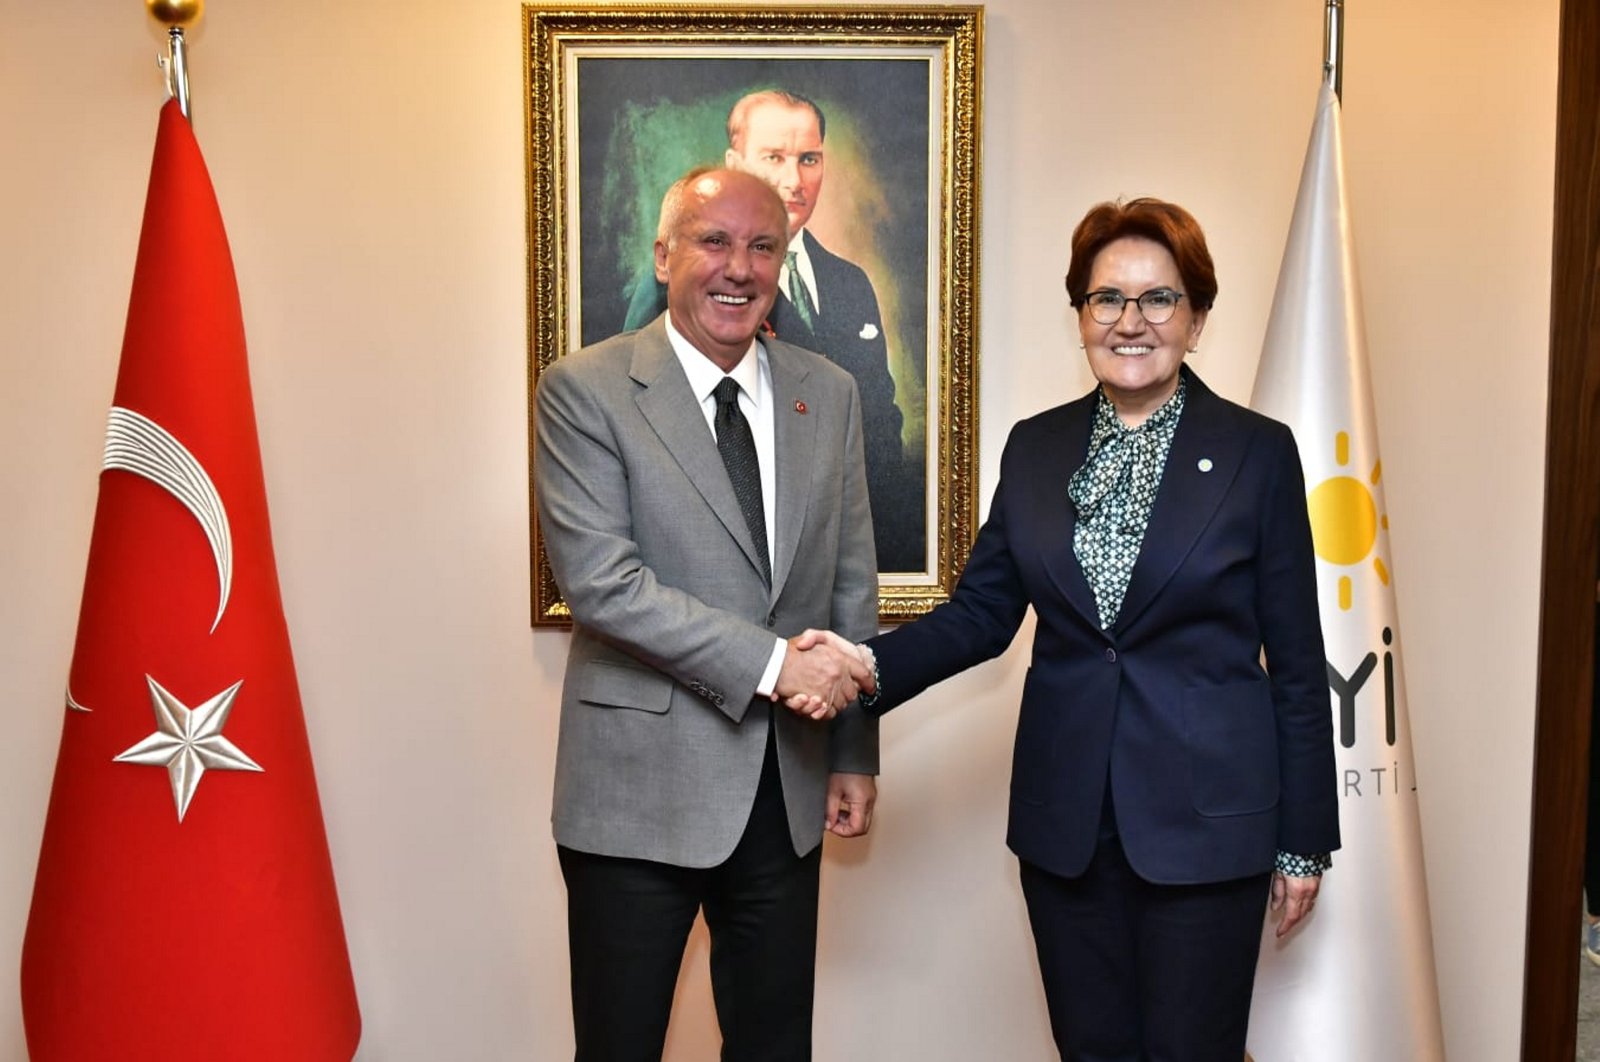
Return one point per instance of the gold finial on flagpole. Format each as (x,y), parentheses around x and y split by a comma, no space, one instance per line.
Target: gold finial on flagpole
(175,15)
(175,12)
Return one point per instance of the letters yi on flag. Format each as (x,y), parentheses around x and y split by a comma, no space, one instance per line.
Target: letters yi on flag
(184,906)
(1357,979)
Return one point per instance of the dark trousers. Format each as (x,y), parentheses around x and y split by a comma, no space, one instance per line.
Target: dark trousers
(629,919)
(1138,972)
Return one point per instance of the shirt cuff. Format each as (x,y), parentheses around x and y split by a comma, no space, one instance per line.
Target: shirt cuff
(870,700)
(769,677)
(1303,866)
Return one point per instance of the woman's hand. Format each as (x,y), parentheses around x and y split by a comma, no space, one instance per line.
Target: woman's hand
(1295,897)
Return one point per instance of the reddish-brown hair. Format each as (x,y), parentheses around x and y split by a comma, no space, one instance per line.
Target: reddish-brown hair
(1152,219)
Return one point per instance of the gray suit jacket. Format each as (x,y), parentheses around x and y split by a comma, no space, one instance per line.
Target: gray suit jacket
(662,736)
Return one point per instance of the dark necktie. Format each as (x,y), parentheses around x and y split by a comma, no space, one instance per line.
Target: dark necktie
(798,293)
(738,449)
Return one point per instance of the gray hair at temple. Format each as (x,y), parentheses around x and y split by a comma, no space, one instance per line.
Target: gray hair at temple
(672,204)
(739,117)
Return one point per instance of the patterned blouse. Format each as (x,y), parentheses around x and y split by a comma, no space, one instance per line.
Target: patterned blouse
(1113,494)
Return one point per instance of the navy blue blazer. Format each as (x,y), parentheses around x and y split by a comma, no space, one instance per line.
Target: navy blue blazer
(1215,762)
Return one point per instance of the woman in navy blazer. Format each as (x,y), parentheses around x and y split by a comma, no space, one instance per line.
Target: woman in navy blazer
(1174,753)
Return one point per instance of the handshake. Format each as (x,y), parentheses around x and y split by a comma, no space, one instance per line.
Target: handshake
(822,673)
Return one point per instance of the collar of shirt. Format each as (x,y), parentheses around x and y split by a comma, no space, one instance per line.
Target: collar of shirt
(754,376)
(802,260)
(1116,451)
(1163,422)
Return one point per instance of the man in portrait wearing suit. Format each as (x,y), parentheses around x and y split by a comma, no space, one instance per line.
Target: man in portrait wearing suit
(704,501)
(825,304)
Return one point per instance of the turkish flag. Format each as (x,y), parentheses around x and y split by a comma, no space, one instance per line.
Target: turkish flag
(184,906)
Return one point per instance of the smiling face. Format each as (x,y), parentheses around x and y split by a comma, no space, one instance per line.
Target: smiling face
(782,144)
(721,261)
(1135,361)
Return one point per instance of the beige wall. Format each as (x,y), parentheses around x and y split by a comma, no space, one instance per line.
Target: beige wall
(369,163)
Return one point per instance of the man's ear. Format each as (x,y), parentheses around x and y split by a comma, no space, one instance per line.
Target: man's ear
(661,261)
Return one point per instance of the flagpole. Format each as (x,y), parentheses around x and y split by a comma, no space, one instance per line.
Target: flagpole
(1333,46)
(175,15)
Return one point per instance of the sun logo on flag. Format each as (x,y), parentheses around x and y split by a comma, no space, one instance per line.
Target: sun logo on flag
(1345,520)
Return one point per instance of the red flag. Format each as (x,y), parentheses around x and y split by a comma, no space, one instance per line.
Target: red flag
(184,906)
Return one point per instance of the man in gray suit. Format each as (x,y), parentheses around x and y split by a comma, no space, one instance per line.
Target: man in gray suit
(704,502)
(825,303)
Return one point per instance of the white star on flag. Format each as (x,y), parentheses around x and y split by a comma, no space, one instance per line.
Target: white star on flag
(188,741)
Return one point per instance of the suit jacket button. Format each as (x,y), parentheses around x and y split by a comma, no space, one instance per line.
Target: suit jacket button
(1111,655)
(772,619)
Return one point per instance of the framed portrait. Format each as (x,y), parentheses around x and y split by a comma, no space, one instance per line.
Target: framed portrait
(866,122)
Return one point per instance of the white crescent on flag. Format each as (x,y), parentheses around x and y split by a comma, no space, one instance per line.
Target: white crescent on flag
(137,444)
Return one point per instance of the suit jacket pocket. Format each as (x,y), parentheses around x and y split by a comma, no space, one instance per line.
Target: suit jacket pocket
(1233,747)
(612,685)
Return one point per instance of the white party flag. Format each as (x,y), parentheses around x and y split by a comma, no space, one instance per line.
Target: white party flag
(1356,980)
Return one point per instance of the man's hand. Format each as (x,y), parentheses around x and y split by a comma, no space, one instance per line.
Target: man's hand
(810,639)
(850,801)
(818,677)
(1295,897)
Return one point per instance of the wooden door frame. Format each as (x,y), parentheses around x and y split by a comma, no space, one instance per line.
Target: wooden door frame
(1572,514)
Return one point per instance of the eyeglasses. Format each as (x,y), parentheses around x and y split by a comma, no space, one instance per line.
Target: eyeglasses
(1156,305)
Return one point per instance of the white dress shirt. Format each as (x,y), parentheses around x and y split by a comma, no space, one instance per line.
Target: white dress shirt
(754,377)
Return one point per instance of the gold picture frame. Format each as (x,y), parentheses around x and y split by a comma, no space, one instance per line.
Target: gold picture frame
(621,100)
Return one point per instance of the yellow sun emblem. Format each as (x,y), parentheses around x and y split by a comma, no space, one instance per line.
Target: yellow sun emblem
(1345,520)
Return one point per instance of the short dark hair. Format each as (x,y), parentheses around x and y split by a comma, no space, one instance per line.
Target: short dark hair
(739,116)
(1151,219)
